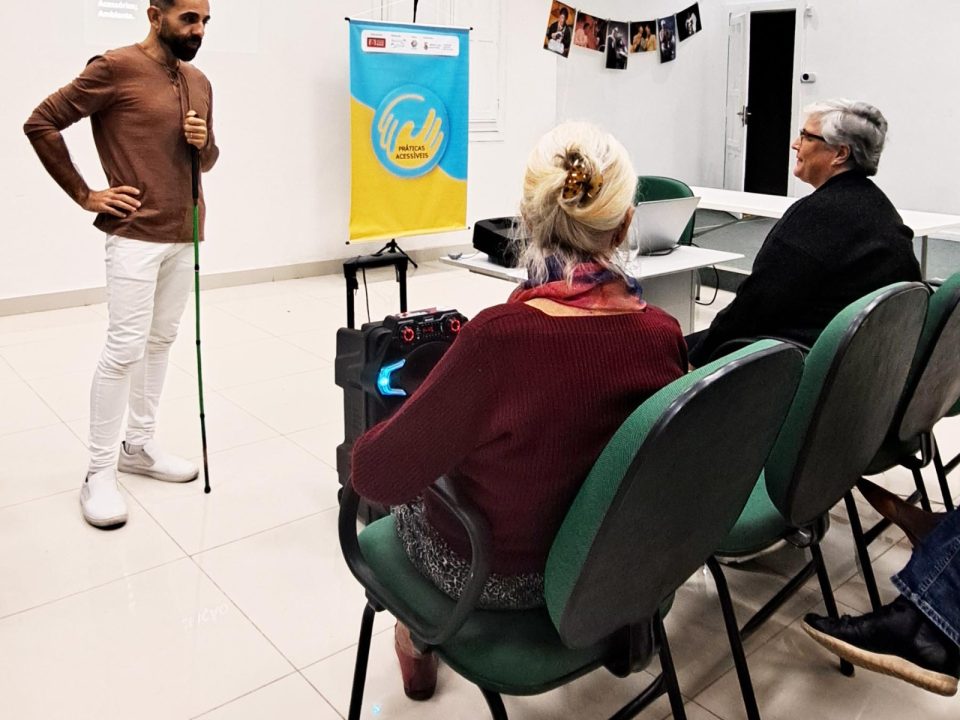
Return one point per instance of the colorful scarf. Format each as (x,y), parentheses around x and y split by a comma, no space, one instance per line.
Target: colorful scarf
(592,287)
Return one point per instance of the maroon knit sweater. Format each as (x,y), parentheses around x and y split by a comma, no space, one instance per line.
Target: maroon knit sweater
(515,413)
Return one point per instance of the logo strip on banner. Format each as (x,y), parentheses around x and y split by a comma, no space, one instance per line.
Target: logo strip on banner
(409,129)
(406,43)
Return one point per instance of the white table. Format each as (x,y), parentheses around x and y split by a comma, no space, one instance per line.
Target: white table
(774,206)
(669,281)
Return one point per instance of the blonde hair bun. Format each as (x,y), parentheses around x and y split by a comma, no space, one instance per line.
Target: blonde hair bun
(578,187)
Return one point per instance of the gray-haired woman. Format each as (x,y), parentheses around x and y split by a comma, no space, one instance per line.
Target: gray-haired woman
(830,248)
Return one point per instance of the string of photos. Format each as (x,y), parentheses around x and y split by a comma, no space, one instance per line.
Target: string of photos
(617,40)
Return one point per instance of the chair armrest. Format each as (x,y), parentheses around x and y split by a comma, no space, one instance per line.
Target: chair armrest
(478,532)
(731,345)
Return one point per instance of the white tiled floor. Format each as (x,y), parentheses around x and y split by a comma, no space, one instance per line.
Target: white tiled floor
(237,605)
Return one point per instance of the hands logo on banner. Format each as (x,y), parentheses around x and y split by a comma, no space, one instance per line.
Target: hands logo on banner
(408,131)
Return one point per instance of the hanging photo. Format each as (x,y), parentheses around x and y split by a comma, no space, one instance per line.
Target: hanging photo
(559,29)
(667,38)
(617,45)
(602,34)
(587,31)
(643,37)
(689,22)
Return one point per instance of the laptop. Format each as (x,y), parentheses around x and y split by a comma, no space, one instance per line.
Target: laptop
(658,225)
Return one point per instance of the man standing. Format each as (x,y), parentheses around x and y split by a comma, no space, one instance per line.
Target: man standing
(149,109)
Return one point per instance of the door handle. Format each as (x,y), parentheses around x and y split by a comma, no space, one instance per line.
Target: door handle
(744,115)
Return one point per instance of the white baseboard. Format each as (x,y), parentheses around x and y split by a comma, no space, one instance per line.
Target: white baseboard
(93,296)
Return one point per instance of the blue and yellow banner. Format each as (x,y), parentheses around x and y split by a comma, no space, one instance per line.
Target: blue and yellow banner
(409,119)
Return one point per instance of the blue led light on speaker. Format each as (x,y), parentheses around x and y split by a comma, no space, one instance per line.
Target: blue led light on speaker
(383,379)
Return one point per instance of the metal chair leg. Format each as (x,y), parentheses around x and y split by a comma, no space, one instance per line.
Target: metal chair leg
(828,600)
(360,670)
(774,603)
(495,703)
(636,706)
(922,489)
(863,554)
(668,671)
(952,464)
(736,644)
(942,477)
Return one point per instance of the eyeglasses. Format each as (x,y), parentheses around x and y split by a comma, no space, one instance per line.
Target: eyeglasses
(804,135)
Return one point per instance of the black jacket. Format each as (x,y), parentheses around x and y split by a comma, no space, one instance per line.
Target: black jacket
(829,249)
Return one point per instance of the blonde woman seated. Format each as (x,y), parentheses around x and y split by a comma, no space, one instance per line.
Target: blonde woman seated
(521,405)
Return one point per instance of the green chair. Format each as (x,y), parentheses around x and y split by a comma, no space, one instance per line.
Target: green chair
(656,187)
(952,464)
(660,497)
(933,387)
(852,381)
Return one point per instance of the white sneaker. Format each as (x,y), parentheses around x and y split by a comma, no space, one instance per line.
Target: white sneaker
(100,500)
(153,462)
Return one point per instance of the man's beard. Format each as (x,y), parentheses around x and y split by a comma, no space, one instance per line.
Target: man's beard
(182,48)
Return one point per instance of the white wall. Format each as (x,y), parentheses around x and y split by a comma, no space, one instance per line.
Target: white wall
(280,193)
(671,117)
(667,115)
(903,59)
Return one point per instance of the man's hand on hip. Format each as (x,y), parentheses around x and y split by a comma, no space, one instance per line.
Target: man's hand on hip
(195,130)
(118,201)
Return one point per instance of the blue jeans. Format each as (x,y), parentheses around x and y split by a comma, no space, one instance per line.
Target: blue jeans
(931,580)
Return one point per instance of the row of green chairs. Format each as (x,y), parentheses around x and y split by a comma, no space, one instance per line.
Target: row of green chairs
(890,401)
(853,378)
(702,468)
(931,392)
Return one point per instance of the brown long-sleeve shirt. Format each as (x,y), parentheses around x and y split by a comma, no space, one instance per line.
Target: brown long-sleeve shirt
(137,107)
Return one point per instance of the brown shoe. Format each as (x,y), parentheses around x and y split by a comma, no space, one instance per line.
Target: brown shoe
(915,522)
(418,669)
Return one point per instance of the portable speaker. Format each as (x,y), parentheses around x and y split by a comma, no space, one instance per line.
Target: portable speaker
(379,366)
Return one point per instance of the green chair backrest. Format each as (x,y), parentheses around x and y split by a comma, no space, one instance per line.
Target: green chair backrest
(666,490)
(934,387)
(852,381)
(656,187)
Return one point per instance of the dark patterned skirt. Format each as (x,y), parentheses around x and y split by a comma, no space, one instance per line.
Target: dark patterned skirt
(437,561)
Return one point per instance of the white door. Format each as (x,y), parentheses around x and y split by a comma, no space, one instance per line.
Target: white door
(738,65)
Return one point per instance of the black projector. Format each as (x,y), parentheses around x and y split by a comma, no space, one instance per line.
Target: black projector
(379,366)
(496,237)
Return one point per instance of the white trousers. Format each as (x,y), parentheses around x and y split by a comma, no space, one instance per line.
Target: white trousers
(148,285)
